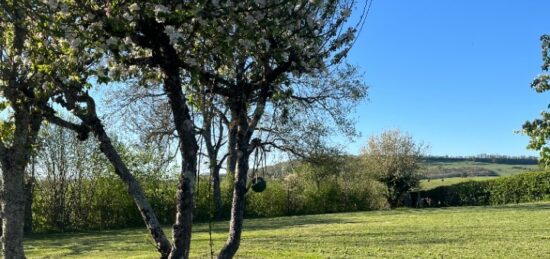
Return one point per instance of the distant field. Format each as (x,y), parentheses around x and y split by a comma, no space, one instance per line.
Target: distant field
(432,183)
(516,231)
(499,169)
(447,173)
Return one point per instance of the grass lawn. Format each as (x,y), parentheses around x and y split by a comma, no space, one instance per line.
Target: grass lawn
(468,232)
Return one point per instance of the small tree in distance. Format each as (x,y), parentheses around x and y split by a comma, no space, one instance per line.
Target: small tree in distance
(393,158)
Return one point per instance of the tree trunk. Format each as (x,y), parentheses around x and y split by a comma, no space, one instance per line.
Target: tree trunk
(239,191)
(29,190)
(215,172)
(13,210)
(188,149)
(134,189)
(232,150)
(93,123)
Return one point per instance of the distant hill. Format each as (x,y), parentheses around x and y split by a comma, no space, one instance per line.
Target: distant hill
(495,159)
(447,167)
(439,167)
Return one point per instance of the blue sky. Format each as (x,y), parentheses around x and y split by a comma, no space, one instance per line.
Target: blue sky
(453,74)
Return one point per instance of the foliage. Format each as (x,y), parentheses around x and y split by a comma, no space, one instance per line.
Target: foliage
(465,232)
(427,184)
(78,190)
(539,129)
(527,187)
(393,158)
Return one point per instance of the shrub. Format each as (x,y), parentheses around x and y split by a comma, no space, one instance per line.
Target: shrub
(526,187)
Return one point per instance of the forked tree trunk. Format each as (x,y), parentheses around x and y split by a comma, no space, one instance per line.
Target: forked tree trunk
(239,191)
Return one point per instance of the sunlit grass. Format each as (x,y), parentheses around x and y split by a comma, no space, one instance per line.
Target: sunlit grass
(468,232)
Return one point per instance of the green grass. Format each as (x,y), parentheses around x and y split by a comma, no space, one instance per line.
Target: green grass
(467,232)
(430,184)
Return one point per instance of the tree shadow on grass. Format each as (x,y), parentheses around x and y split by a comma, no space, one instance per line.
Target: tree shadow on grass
(275,223)
(79,243)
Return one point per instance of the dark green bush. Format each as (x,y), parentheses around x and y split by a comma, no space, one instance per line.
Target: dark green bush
(527,187)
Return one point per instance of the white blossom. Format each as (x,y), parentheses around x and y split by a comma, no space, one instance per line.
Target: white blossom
(128,41)
(172,33)
(75,43)
(112,41)
(127,16)
(132,69)
(160,9)
(133,7)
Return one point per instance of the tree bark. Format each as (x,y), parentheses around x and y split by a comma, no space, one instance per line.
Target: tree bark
(232,149)
(239,113)
(215,172)
(134,189)
(29,190)
(188,149)
(13,208)
(14,160)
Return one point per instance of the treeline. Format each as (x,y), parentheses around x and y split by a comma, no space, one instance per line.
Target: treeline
(280,170)
(499,159)
(74,187)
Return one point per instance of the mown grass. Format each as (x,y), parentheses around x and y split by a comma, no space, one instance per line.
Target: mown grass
(516,231)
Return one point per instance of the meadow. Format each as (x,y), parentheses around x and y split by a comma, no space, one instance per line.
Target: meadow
(510,231)
(500,169)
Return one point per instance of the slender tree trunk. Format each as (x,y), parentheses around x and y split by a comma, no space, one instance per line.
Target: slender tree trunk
(13,208)
(238,205)
(215,172)
(94,124)
(188,149)
(134,189)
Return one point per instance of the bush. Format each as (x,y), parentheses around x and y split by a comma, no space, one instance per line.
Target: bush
(526,187)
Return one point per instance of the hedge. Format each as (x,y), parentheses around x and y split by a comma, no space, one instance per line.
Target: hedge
(526,187)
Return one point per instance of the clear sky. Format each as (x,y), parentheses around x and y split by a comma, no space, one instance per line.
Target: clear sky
(453,74)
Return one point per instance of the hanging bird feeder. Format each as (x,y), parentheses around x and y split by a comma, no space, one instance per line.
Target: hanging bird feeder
(258,184)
